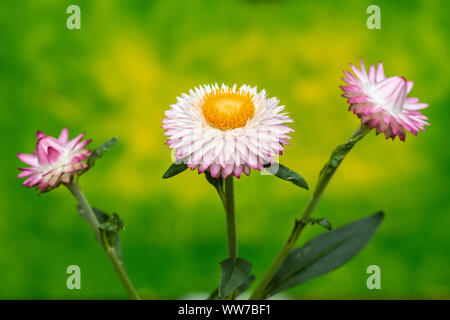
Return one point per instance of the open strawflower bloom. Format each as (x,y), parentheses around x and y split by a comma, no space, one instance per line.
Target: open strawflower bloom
(383,103)
(226,130)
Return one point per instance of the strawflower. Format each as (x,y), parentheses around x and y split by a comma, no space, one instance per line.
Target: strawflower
(54,161)
(383,103)
(226,130)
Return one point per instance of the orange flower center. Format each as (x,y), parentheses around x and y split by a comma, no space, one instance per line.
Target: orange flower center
(225,109)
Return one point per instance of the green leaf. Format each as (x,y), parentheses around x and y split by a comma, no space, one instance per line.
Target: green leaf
(176,168)
(244,286)
(339,153)
(98,153)
(109,231)
(102,216)
(287,174)
(110,226)
(99,214)
(235,272)
(216,182)
(113,223)
(324,253)
(321,222)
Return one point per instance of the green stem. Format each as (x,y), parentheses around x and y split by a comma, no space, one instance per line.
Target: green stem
(119,268)
(324,178)
(231,223)
(111,251)
(231,218)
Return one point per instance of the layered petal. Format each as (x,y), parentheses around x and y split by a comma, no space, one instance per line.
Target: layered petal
(54,161)
(383,103)
(242,130)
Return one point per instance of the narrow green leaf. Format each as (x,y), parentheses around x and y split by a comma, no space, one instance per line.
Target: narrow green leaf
(324,253)
(321,222)
(176,168)
(234,273)
(216,182)
(99,214)
(283,172)
(339,153)
(243,287)
(98,153)
(110,227)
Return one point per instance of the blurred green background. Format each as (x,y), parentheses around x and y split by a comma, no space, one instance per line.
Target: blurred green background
(130,61)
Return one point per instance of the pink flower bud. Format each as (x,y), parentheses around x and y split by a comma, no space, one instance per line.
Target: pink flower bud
(54,161)
(383,103)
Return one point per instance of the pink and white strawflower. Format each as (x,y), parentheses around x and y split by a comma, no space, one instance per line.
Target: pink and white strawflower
(226,130)
(54,161)
(383,103)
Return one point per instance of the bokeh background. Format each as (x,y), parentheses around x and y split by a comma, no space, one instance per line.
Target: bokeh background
(129,62)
